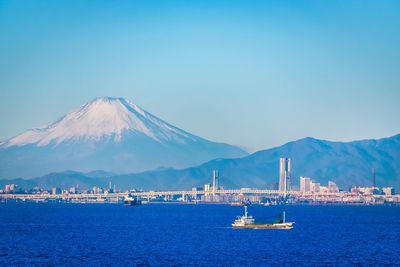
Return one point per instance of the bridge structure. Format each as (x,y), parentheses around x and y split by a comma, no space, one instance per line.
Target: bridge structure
(115,197)
(190,195)
(66,197)
(241,191)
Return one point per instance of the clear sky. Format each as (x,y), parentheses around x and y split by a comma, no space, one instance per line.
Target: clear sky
(250,73)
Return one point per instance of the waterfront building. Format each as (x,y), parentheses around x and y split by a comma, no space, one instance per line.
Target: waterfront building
(305,184)
(388,191)
(332,187)
(217,198)
(355,189)
(365,190)
(9,188)
(323,189)
(314,187)
(55,191)
(97,190)
(285,180)
(207,189)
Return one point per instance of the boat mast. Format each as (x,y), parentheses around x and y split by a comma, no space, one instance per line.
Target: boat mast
(284,217)
(245,211)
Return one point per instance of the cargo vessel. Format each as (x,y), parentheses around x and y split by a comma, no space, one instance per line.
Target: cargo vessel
(130,200)
(248,222)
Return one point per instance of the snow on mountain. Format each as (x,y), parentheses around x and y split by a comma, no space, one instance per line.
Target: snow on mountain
(109,134)
(102,117)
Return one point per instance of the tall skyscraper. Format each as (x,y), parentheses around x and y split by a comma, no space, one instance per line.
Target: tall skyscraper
(215,181)
(285,180)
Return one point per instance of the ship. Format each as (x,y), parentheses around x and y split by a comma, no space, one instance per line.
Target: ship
(248,222)
(130,200)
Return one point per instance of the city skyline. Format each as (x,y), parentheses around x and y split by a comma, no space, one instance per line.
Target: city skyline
(255,75)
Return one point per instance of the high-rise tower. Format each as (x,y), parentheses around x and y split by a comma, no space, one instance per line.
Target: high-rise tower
(285,180)
(215,182)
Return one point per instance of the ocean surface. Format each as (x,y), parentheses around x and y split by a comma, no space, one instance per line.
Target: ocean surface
(195,235)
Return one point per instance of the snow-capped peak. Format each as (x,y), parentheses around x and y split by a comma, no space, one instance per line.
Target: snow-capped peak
(102,117)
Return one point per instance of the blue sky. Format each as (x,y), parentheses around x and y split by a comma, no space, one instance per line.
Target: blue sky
(250,73)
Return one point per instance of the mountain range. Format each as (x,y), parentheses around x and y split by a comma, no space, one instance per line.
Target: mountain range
(110,134)
(346,163)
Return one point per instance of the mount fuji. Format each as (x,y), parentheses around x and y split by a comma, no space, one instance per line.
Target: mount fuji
(109,134)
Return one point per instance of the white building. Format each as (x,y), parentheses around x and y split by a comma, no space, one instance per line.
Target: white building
(332,187)
(285,180)
(323,189)
(207,189)
(305,184)
(97,190)
(388,191)
(9,188)
(55,191)
(364,190)
(314,187)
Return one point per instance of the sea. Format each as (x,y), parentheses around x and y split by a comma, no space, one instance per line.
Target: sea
(61,234)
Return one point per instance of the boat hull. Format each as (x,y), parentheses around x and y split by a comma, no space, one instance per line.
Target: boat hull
(133,202)
(277,226)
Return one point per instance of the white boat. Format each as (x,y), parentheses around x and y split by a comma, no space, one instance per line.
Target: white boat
(247,221)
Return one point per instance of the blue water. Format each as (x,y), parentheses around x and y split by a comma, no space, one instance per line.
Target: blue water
(195,235)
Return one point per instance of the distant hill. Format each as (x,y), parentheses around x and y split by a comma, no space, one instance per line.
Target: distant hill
(346,163)
(110,134)
(65,180)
